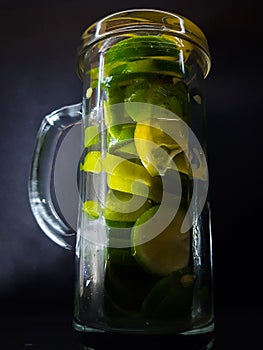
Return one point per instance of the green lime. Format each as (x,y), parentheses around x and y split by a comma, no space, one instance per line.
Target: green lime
(124,207)
(139,47)
(149,98)
(126,285)
(168,251)
(165,66)
(120,135)
(121,256)
(119,224)
(171,297)
(116,118)
(123,149)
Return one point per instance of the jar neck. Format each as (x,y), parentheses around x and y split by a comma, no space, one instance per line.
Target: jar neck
(149,21)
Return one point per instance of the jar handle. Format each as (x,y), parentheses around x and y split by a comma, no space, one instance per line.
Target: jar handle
(48,140)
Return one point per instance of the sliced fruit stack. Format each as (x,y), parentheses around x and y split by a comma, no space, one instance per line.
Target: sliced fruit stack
(146,108)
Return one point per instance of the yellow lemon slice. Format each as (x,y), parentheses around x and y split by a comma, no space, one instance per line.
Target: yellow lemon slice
(158,150)
(123,175)
(126,207)
(152,191)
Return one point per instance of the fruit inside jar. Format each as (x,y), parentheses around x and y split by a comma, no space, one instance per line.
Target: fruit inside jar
(149,274)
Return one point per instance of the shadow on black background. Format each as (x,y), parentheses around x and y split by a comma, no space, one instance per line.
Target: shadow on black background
(39,41)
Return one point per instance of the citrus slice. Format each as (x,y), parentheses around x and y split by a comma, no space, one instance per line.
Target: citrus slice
(117,166)
(184,46)
(125,207)
(141,101)
(120,135)
(92,209)
(158,150)
(123,80)
(124,175)
(91,136)
(134,186)
(165,66)
(92,162)
(126,285)
(139,47)
(121,256)
(116,118)
(166,252)
(171,297)
(124,149)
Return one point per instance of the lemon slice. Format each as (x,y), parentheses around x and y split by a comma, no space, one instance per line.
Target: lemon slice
(92,209)
(124,175)
(135,186)
(117,166)
(126,207)
(91,136)
(168,251)
(159,151)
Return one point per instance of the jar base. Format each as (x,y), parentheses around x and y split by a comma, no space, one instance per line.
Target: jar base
(94,339)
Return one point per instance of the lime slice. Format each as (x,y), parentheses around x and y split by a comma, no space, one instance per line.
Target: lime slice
(126,285)
(120,135)
(185,47)
(116,118)
(149,96)
(124,149)
(168,251)
(165,66)
(121,167)
(123,80)
(120,210)
(141,46)
(171,297)
(125,207)
(121,256)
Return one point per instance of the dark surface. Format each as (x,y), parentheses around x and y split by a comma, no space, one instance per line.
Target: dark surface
(39,40)
(235,329)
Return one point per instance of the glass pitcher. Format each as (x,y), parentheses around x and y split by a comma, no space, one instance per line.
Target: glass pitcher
(143,241)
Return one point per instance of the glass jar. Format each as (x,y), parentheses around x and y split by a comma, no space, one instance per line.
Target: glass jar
(143,242)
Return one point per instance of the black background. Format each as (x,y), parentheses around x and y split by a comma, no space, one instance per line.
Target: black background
(39,41)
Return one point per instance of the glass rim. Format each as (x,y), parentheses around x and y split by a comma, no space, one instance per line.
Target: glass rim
(128,21)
